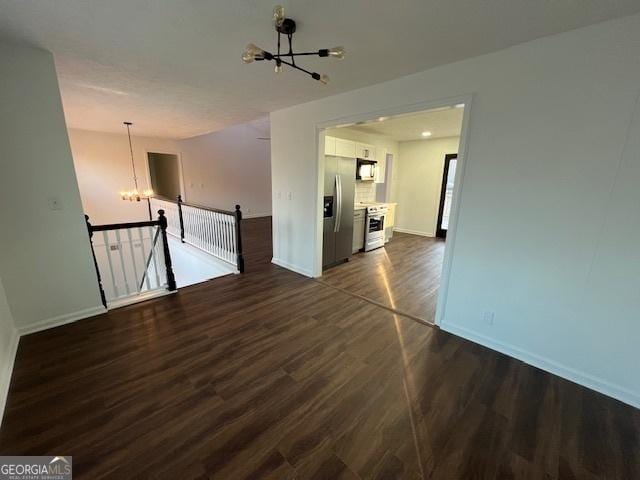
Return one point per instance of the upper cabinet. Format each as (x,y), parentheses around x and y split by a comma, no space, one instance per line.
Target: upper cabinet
(346,148)
(365,151)
(329,145)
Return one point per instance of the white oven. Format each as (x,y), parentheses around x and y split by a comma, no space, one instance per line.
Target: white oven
(374,227)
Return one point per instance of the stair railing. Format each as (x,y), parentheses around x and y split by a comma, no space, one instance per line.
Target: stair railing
(132,274)
(215,231)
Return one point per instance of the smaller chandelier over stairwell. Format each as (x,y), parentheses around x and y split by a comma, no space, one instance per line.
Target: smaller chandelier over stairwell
(134,195)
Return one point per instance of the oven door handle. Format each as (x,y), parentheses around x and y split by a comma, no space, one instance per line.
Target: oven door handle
(336,227)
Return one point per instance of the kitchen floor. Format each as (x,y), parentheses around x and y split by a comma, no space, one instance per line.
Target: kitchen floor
(404,275)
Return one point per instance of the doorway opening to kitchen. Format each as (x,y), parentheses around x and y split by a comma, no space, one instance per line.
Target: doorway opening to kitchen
(389,194)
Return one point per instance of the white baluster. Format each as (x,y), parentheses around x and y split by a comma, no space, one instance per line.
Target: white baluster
(144,259)
(153,254)
(133,261)
(122,264)
(105,238)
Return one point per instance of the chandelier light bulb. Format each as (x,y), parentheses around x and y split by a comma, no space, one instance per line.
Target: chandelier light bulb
(278,14)
(324,79)
(254,49)
(252,52)
(247,57)
(337,52)
(278,68)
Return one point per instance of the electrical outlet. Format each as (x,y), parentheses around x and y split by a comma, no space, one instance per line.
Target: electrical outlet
(488,317)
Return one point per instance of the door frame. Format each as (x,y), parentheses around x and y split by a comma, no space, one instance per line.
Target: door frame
(440,233)
(321,127)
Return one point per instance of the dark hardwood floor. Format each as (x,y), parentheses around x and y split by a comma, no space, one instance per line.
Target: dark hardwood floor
(405,275)
(270,375)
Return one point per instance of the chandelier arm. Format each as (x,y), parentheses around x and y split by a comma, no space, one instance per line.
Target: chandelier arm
(293,60)
(278,45)
(296,54)
(292,65)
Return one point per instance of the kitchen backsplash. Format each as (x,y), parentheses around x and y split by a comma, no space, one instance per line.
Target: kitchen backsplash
(365,192)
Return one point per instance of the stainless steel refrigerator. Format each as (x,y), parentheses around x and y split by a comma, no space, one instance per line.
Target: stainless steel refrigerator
(339,191)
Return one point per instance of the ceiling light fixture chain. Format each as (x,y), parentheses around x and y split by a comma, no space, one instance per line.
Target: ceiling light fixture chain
(287,26)
(135,194)
(133,164)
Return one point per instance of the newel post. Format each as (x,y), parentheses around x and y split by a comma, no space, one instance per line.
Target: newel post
(171,278)
(95,262)
(181,220)
(240,257)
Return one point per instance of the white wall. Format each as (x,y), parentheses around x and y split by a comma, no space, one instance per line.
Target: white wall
(229,167)
(548,223)
(220,170)
(8,346)
(103,167)
(45,258)
(417,181)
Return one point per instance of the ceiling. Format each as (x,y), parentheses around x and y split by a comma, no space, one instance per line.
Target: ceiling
(173,67)
(441,122)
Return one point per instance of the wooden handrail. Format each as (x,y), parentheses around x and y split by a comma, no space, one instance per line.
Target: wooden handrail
(195,205)
(119,226)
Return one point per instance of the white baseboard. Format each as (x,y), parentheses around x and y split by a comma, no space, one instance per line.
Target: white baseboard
(292,267)
(594,383)
(123,302)
(413,232)
(61,320)
(5,378)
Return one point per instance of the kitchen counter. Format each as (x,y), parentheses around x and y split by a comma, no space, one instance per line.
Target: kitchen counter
(368,204)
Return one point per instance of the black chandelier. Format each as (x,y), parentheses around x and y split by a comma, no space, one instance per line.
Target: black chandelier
(287,26)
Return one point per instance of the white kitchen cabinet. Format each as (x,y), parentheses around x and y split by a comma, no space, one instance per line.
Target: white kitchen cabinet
(365,151)
(345,148)
(389,221)
(381,167)
(329,145)
(358,229)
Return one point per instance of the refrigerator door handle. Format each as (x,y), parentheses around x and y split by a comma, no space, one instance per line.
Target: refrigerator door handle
(338,215)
